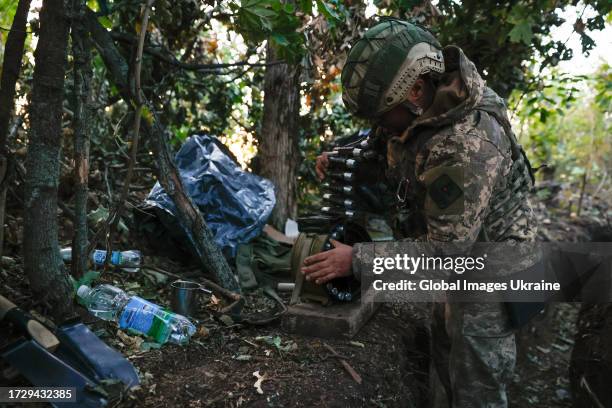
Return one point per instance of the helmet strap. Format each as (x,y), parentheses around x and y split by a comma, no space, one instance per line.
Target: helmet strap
(416,110)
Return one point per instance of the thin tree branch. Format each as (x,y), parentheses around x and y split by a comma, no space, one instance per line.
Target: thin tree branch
(13,54)
(167,56)
(115,215)
(81,117)
(15,30)
(113,60)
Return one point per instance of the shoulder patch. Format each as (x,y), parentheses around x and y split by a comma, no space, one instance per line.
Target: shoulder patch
(444,191)
(444,186)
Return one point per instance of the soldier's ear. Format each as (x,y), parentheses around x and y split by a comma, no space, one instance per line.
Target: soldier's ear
(416,93)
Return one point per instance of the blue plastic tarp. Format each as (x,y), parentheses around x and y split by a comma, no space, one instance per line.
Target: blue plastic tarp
(235,204)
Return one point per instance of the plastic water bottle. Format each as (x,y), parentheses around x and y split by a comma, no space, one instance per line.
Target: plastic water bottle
(108,302)
(129,261)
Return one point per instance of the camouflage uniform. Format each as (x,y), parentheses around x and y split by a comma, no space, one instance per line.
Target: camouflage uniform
(464,178)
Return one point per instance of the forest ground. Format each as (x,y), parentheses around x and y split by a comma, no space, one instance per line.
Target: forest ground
(390,353)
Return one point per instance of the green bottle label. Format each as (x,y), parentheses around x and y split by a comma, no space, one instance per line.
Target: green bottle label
(160,326)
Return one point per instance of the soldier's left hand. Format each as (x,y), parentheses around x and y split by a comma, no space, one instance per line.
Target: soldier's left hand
(328,265)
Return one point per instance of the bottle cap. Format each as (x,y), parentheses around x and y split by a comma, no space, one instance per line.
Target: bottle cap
(83,290)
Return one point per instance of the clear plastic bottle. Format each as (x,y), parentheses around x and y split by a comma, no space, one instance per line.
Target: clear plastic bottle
(110,303)
(129,261)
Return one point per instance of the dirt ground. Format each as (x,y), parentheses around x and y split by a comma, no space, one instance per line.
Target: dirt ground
(223,361)
(212,373)
(544,350)
(217,367)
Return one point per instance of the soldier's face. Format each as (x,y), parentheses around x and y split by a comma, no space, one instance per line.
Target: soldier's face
(400,117)
(397,119)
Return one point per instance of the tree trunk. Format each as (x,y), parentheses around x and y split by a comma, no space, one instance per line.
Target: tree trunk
(13,54)
(83,113)
(42,262)
(278,151)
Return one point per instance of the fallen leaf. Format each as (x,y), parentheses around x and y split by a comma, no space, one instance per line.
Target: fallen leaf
(543,349)
(202,332)
(277,342)
(260,380)
(146,378)
(561,347)
(8,262)
(148,345)
(132,342)
(226,320)
(157,277)
(132,286)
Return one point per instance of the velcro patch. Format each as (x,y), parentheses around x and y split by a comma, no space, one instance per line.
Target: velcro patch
(444,185)
(444,191)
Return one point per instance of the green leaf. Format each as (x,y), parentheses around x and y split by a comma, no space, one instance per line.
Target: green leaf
(148,345)
(105,21)
(97,216)
(521,32)
(276,342)
(327,11)
(289,8)
(87,278)
(306,6)
(146,114)
(262,12)
(280,39)
(101,214)
(93,4)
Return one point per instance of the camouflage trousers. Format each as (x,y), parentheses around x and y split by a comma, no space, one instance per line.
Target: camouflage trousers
(473,353)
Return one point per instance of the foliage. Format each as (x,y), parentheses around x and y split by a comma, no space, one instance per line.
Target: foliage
(501,36)
(508,40)
(7,11)
(276,20)
(568,125)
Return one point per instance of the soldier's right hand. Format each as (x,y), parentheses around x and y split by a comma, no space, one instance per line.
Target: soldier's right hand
(321,165)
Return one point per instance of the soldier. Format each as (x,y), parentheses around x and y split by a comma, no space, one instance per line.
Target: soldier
(460,177)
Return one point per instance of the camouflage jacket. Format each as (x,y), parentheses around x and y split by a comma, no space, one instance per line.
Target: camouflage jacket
(458,169)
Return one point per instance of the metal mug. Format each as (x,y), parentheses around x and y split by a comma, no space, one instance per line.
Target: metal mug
(186,297)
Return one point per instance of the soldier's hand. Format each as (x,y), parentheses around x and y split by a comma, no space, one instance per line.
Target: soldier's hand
(321,166)
(324,266)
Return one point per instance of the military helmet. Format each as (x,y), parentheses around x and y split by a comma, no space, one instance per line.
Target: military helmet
(384,64)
